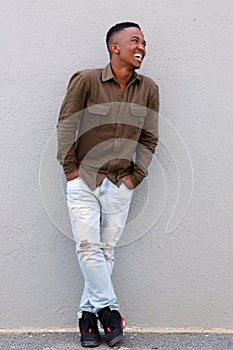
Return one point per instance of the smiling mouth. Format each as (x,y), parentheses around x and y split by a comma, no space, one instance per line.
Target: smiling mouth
(138,56)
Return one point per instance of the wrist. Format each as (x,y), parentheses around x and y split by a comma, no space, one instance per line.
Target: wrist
(72,175)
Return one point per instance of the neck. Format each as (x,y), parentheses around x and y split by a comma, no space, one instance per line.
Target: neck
(122,74)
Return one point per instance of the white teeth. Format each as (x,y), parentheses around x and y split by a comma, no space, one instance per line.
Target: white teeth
(138,55)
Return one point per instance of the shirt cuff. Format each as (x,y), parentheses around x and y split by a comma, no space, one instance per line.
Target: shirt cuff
(137,175)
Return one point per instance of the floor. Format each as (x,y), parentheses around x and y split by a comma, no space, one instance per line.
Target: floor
(136,341)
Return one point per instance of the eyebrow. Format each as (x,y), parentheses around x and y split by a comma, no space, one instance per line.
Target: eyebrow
(137,37)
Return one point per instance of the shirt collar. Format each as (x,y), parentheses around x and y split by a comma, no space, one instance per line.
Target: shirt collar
(107,74)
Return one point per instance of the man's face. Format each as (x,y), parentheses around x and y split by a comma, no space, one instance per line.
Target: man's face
(131,45)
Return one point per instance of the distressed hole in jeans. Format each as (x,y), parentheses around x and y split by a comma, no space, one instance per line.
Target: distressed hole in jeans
(85,245)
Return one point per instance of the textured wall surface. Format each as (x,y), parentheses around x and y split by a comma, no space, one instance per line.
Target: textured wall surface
(175,273)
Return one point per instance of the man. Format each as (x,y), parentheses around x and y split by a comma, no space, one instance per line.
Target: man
(107,134)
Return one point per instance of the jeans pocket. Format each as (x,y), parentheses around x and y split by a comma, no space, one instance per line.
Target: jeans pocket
(73,180)
(126,188)
(72,185)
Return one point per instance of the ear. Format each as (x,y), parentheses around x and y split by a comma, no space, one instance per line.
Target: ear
(114,49)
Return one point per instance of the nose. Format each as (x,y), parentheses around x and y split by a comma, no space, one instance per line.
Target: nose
(141,47)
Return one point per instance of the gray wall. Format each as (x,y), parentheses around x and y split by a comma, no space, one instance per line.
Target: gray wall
(174,263)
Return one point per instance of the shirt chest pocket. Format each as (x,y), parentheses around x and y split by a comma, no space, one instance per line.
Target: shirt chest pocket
(137,116)
(95,116)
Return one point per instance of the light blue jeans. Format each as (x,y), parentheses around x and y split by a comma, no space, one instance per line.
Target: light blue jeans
(97,219)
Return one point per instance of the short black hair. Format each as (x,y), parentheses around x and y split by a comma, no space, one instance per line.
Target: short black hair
(118,28)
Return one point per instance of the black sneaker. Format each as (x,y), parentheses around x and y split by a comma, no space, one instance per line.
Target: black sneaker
(113,325)
(90,336)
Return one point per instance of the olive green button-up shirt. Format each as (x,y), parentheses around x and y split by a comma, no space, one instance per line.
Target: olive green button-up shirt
(104,133)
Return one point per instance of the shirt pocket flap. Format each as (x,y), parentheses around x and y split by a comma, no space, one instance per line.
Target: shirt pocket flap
(138,111)
(98,109)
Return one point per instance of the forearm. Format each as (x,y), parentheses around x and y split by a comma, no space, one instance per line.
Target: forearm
(66,145)
(142,162)
(68,122)
(146,147)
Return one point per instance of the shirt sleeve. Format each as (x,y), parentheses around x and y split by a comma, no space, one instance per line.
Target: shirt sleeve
(149,137)
(69,120)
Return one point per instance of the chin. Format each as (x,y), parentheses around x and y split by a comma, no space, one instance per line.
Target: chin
(137,67)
